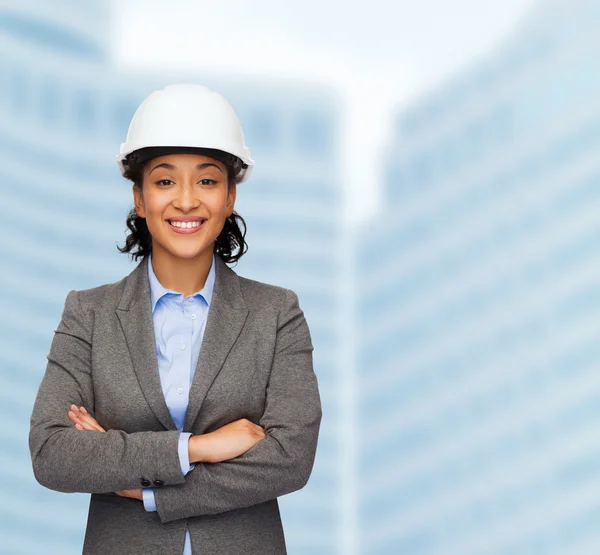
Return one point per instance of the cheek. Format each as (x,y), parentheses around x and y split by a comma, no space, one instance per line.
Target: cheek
(216,204)
(155,208)
(156,204)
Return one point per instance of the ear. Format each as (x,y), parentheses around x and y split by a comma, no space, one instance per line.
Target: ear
(231,199)
(138,200)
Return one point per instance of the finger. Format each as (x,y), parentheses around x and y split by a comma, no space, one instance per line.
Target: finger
(91,424)
(75,414)
(83,425)
(93,420)
(73,417)
(86,421)
(125,493)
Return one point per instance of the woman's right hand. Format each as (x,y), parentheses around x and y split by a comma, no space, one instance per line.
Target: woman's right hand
(226,443)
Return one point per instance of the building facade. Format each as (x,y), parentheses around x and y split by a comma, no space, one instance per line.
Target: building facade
(478,384)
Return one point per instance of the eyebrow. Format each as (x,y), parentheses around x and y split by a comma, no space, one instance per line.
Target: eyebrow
(172,167)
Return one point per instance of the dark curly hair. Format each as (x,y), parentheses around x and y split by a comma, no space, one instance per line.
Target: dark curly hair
(138,243)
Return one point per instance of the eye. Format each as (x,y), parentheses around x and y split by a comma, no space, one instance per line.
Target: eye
(209,181)
(163,182)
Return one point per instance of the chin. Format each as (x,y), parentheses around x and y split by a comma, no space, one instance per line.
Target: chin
(186,253)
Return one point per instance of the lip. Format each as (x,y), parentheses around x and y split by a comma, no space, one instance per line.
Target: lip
(187,231)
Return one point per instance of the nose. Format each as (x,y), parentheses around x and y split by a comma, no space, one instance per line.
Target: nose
(186,198)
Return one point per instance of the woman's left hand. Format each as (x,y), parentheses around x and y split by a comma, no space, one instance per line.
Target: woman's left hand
(83,420)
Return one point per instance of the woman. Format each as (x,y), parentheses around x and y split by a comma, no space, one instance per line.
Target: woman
(183,396)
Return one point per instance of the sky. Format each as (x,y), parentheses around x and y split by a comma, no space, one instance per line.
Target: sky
(380,55)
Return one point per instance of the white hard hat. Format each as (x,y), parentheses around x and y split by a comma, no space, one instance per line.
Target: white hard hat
(187,115)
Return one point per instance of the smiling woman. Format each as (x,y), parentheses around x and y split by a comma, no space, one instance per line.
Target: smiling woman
(182,397)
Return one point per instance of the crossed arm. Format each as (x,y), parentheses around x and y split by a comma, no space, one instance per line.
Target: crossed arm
(71,460)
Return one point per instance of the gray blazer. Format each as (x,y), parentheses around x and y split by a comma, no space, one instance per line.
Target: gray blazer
(255,363)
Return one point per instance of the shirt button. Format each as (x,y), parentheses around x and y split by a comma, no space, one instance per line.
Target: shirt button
(145,483)
(180,390)
(193,316)
(182,346)
(191,299)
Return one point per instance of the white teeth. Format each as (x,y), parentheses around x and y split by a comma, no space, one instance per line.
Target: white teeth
(185,224)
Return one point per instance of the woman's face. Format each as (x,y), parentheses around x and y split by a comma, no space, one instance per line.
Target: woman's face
(179,187)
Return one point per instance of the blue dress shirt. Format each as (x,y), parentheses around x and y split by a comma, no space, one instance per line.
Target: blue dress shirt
(179,325)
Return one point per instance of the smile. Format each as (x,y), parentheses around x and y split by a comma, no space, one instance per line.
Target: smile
(185,227)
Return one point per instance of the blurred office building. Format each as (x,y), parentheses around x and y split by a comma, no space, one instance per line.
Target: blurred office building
(64,112)
(479,307)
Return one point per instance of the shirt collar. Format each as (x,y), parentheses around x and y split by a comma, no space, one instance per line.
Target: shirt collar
(157,290)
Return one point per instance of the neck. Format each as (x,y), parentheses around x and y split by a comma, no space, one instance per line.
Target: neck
(182,275)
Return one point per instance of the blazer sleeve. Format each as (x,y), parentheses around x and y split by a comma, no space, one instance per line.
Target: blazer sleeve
(69,460)
(281,462)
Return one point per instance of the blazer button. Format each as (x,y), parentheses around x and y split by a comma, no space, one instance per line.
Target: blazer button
(159,483)
(146,483)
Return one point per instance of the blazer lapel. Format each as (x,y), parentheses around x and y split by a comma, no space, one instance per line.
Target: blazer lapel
(224,323)
(226,316)
(135,314)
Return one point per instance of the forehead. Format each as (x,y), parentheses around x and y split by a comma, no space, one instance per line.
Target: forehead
(184,161)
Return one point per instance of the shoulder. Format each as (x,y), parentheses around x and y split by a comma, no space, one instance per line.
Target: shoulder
(106,295)
(259,294)
(281,301)
(79,308)
(284,305)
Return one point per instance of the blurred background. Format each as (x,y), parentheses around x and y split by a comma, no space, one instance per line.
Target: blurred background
(427,180)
